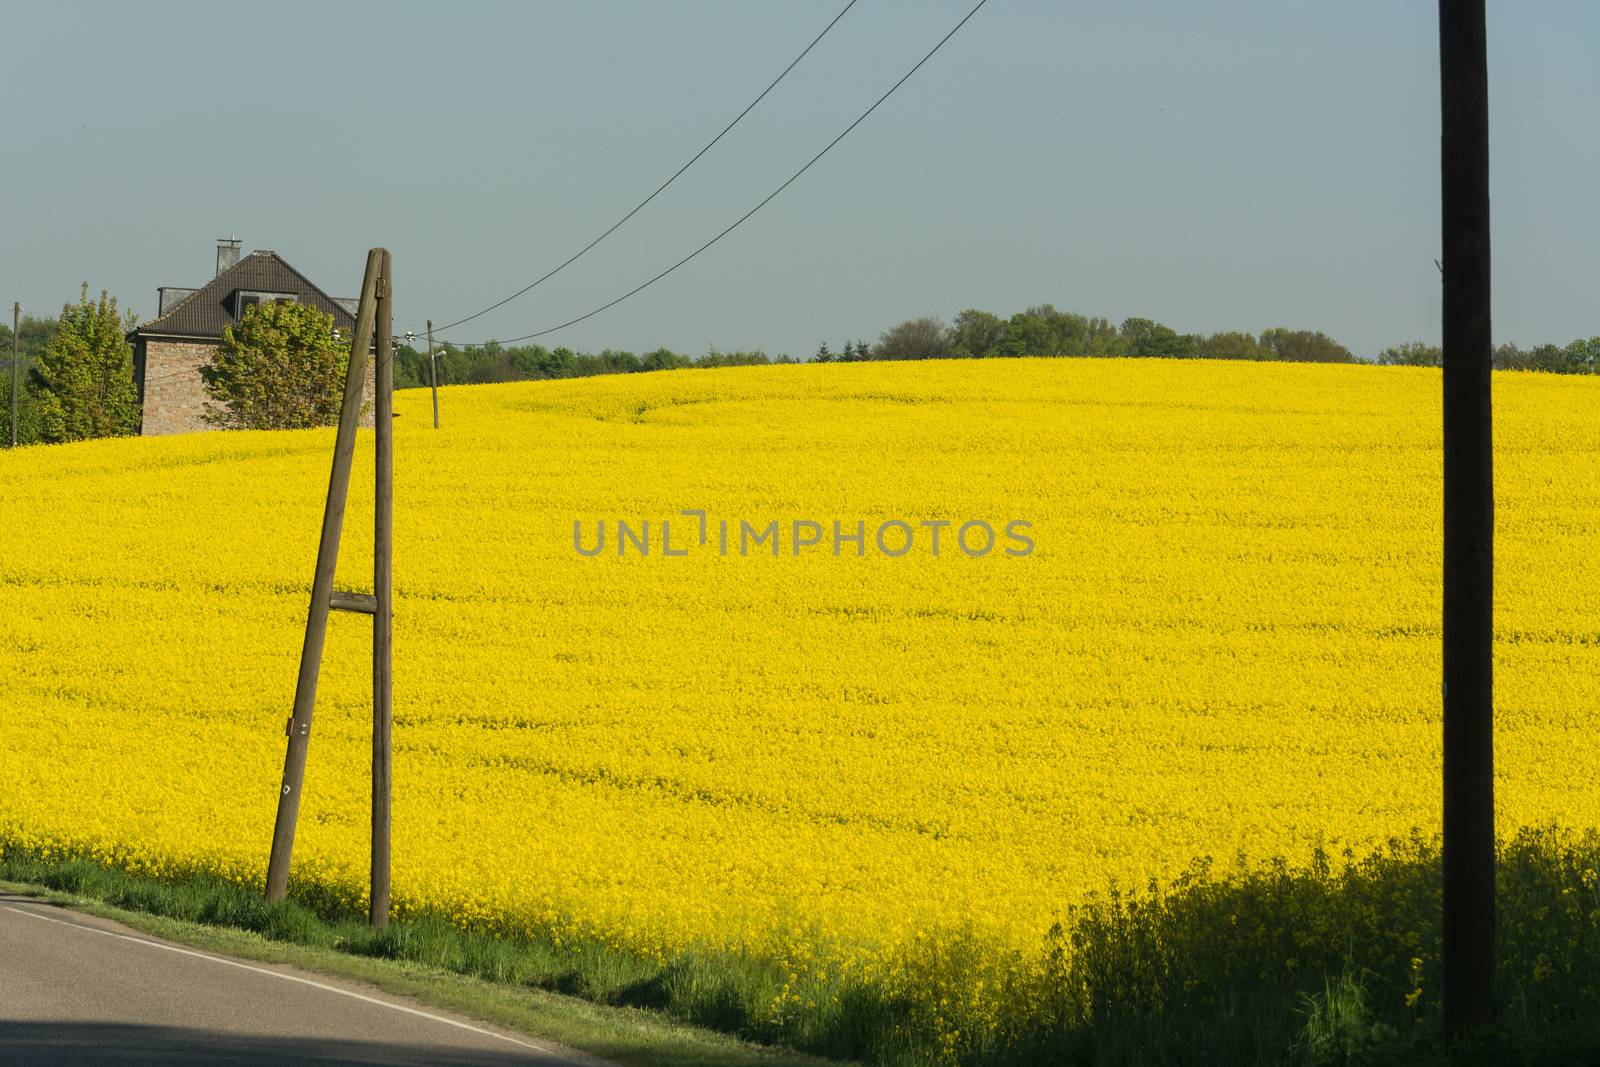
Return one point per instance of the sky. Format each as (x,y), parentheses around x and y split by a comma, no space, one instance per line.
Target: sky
(1227,165)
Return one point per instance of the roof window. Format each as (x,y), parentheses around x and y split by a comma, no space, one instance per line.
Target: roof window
(249,298)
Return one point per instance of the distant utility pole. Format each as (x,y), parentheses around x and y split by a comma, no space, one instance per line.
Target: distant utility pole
(374,314)
(1469,841)
(16,319)
(433,376)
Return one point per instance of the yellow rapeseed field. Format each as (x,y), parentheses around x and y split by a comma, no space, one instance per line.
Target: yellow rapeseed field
(1224,642)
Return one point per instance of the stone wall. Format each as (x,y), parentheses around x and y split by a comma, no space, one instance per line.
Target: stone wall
(175,399)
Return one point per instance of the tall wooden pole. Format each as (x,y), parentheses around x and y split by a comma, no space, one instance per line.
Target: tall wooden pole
(305,692)
(16,318)
(382,592)
(1469,842)
(433,376)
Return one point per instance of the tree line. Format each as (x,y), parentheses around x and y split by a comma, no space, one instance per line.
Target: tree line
(1045,331)
(282,367)
(34,333)
(978,334)
(1581,356)
(492,362)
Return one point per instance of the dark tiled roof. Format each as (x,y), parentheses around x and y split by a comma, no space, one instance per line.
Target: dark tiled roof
(206,311)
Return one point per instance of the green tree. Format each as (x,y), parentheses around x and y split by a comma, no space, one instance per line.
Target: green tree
(1583,356)
(1029,334)
(924,338)
(28,430)
(1229,344)
(537,361)
(1145,337)
(1072,331)
(83,380)
(278,369)
(1509,357)
(35,332)
(1412,354)
(756,358)
(664,359)
(976,333)
(1104,339)
(616,361)
(1304,346)
(1043,331)
(410,366)
(1552,359)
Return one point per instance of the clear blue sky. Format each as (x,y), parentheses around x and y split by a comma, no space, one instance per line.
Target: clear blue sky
(1219,165)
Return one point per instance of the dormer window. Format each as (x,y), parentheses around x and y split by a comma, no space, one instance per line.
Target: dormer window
(249,298)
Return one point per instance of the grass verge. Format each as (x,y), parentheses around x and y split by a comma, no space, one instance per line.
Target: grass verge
(1276,966)
(290,935)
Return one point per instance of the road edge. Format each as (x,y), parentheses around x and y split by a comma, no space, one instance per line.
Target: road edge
(603,1035)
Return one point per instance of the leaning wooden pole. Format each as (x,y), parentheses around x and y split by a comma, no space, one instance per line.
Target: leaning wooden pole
(305,692)
(1469,841)
(382,593)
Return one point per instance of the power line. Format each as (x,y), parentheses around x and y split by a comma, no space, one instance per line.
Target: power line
(640,206)
(766,200)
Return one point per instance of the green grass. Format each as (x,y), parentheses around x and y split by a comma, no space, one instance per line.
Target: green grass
(483,980)
(1328,964)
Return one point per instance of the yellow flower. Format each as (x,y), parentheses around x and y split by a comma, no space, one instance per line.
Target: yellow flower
(1225,643)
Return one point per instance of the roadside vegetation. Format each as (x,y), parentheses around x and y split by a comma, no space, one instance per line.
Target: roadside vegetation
(225,922)
(1331,963)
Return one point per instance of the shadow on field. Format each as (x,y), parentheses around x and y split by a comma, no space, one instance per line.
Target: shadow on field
(1332,963)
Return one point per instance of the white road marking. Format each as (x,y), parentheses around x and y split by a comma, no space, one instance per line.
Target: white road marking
(536,1046)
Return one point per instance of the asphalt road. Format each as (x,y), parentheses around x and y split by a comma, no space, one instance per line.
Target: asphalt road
(77,989)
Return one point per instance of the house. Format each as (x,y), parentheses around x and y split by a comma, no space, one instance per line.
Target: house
(170,349)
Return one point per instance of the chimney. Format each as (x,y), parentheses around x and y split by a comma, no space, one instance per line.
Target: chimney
(227,253)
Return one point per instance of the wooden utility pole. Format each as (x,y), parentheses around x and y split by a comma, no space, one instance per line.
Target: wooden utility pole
(383,604)
(374,314)
(1469,841)
(16,319)
(433,376)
